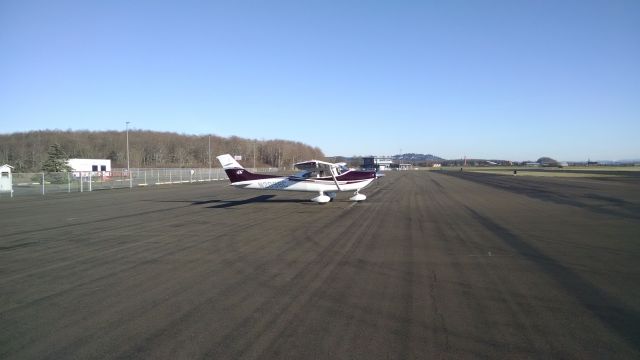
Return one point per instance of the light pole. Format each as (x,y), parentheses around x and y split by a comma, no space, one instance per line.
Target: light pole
(128,168)
(209,157)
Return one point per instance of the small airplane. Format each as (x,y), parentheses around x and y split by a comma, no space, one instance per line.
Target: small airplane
(317,176)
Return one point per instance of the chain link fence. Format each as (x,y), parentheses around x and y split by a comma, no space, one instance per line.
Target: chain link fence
(30,184)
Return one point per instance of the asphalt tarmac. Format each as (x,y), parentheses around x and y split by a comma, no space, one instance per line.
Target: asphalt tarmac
(431,265)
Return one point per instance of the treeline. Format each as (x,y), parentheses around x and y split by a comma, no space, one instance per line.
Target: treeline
(27,151)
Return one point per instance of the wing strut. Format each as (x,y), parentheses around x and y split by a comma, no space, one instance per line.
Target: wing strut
(334,179)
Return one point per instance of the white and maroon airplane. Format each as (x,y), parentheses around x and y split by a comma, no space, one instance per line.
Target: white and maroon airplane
(316,176)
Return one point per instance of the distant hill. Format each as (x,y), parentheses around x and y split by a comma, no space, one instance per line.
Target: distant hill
(414,158)
(476,162)
(619,162)
(547,161)
(27,151)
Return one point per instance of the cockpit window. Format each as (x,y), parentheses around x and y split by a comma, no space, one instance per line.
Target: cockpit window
(341,169)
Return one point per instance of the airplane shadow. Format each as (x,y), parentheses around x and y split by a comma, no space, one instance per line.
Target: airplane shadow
(221,204)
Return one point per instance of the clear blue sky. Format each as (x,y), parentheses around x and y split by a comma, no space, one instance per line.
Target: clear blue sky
(496,79)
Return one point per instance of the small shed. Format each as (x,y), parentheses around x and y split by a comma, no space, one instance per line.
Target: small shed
(6,183)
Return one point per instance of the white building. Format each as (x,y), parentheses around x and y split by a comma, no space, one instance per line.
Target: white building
(377,162)
(6,184)
(95,166)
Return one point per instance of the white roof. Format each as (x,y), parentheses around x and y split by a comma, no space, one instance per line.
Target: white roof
(91,159)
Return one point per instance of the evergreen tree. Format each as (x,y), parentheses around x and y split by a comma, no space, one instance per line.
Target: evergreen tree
(113,156)
(57,160)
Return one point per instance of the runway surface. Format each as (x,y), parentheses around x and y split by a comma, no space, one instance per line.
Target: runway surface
(432,265)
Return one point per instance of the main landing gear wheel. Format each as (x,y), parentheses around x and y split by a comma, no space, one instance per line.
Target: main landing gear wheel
(358,197)
(321,199)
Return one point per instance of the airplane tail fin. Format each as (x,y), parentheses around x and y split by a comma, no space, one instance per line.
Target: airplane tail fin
(236,173)
(228,162)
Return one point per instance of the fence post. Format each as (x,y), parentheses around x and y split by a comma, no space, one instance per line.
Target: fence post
(68,182)
(42,183)
(170,181)
(90,181)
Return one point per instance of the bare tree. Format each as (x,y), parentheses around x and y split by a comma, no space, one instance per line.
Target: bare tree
(27,151)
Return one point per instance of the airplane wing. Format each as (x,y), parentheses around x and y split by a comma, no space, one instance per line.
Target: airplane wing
(314,165)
